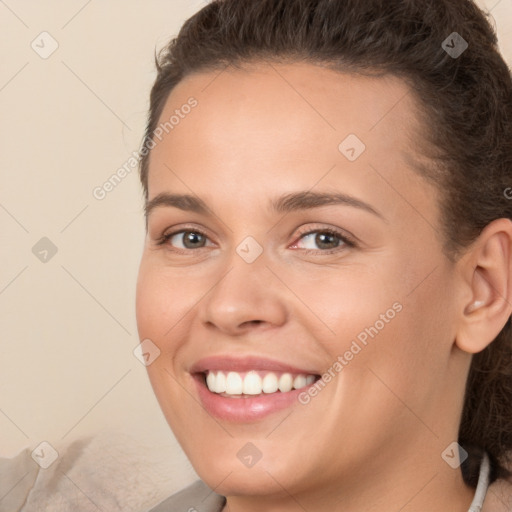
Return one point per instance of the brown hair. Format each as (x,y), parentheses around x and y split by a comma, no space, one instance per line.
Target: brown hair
(466,113)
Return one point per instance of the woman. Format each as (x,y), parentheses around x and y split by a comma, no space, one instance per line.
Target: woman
(326,280)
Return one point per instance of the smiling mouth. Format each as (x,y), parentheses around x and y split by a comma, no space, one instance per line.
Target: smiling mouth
(231,384)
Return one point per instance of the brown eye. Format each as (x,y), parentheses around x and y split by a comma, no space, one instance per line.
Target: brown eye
(322,240)
(187,240)
(327,241)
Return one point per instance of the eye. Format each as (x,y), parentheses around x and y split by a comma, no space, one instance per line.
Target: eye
(185,239)
(323,240)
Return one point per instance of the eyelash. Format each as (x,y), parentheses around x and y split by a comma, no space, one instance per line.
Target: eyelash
(348,242)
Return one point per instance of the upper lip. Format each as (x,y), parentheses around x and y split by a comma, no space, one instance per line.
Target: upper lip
(245,364)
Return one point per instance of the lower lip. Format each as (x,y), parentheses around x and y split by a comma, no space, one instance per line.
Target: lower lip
(245,409)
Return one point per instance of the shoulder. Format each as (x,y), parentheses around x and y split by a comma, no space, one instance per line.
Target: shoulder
(197,497)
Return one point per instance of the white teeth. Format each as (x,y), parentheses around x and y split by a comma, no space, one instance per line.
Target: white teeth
(310,379)
(300,381)
(270,383)
(220,383)
(210,381)
(251,383)
(285,383)
(233,384)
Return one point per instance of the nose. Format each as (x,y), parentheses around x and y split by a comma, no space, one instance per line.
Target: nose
(248,296)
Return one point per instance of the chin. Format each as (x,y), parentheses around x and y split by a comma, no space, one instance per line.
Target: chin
(256,481)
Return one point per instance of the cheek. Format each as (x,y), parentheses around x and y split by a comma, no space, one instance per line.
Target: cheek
(346,304)
(388,319)
(159,307)
(164,297)
(409,356)
(160,304)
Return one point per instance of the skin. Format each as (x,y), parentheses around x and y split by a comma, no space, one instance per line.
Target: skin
(373,437)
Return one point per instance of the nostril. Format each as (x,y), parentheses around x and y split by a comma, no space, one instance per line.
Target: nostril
(251,322)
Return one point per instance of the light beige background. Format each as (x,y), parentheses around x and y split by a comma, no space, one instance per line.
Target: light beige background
(68,122)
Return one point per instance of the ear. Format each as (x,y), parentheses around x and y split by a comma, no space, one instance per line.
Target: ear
(487,276)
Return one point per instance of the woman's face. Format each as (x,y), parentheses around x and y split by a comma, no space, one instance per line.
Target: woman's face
(280,249)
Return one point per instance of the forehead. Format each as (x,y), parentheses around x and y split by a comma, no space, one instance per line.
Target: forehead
(284,123)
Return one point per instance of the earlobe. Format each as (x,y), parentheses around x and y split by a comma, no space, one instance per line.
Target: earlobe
(490,276)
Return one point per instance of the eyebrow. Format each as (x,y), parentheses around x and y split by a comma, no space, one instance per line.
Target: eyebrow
(308,200)
(181,201)
(295,201)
